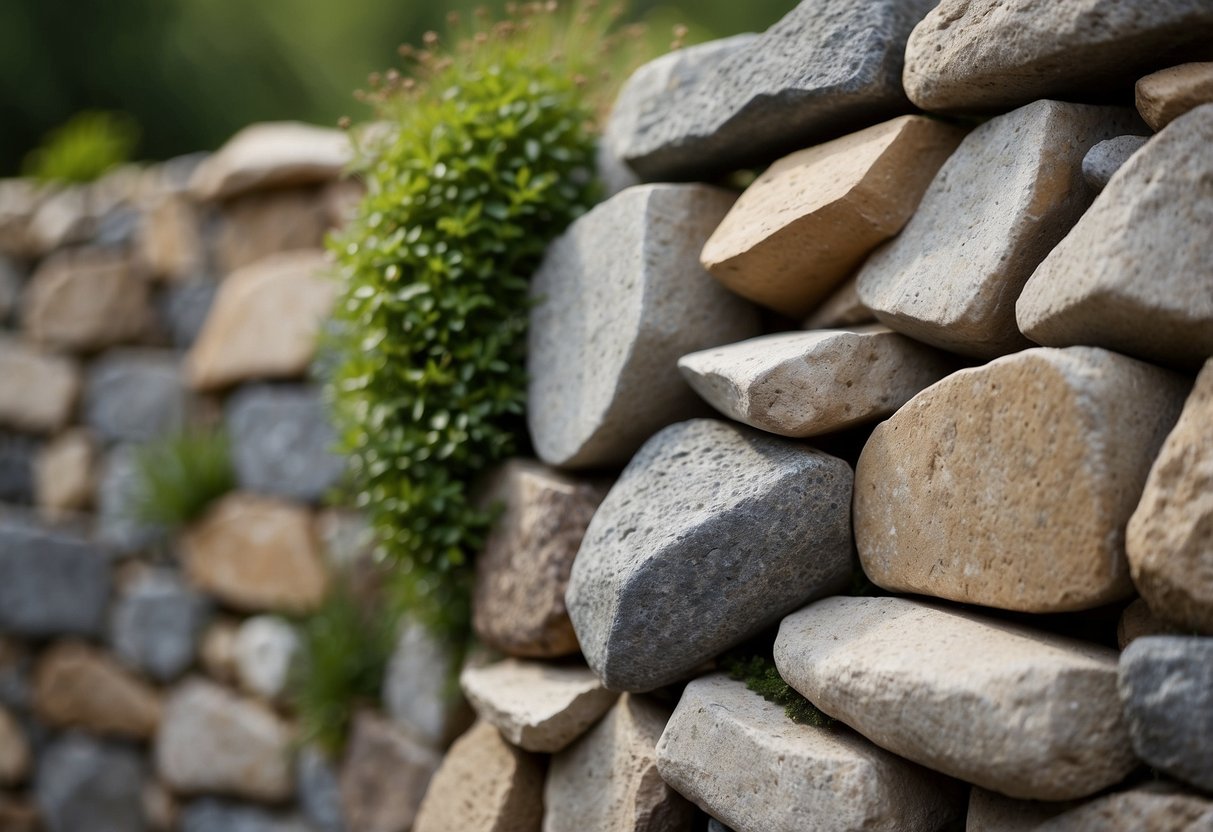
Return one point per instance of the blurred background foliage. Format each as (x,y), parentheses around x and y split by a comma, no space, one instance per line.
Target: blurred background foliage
(189,73)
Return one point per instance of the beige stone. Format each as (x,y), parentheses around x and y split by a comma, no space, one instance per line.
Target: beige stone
(19,200)
(256,225)
(1007,708)
(809,383)
(841,309)
(1144,809)
(812,217)
(1170,536)
(256,554)
(217,651)
(998,205)
(85,300)
(1133,274)
(1009,485)
(1137,620)
(484,785)
(1166,95)
(384,775)
(77,686)
(518,604)
(38,390)
(264,322)
(537,707)
(743,761)
(14,751)
(170,239)
(272,155)
(65,473)
(992,812)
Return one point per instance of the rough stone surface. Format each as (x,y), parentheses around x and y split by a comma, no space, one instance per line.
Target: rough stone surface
(258,225)
(215,815)
(84,785)
(14,750)
(1137,620)
(86,300)
(742,760)
(272,155)
(484,785)
(998,205)
(827,68)
(417,692)
(185,306)
(1143,809)
(810,383)
(812,218)
(537,707)
(157,623)
(713,526)
(1133,273)
(77,686)
(264,321)
(65,473)
(267,651)
(117,496)
(1166,95)
(52,582)
(1009,485)
(215,742)
(1170,536)
(1107,157)
(282,442)
(256,554)
(135,395)
(384,776)
(992,55)
(612,320)
(1166,683)
(318,789)
(841,309)
(1007,708)
(521,576)
(38,390)
(993,812)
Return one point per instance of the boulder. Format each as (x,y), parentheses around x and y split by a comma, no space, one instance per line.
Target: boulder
(1009,485)
(156,624)
(740,758)
(1007,708)
(1166,95)
(841,309)
(268,651)
(1132,275)
(713,526)
(1146,808)
(52,582)
(419,690)
(78,686)
(1107,157)
(38,390)
(384,776)
(14,750)
(1014,188)
(84,785)
(135,396)
(622,292)
(119,495)
(65,474)
(252,227)
(318,790)
(216,815)
(812,218)
(86,300)
(271,154)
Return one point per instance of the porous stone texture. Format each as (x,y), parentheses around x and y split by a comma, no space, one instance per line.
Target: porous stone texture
(282,442)
(741,759)
(65,473)
(1137,620)
(990,55)
(118,495)
(272,155)
(157,622)
(521,576)
(809,383)
(318,790)
(841,309)
(1132,275)
(1147,808)
(14,750)
(611,321)
(992,812)
(716,527)
(262,224)
(618,756)
(77,686)
(484,785)
(417,687)
(52,582)
(1107,157)
(86,300)
(84,785)
(212,741)
(812,217)
(216,815)
(267,651)
(1009,485)
(1166,683)
(384,776)
(827,68)
(1166,95)
(999,204)
(264,321)
(135,395)
(256,554)
(1023,713)
(38,390)
(1170,536)
(537,707)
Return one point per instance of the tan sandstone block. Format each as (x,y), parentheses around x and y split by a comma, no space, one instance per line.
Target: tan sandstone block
(86,300)
(256,225)
(1166,95)
(38,391)
(80,686)
(65,473)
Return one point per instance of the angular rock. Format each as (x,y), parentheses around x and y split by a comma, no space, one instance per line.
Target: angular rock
(135,395)
(213,741)
(84,785)
(719,528)
(282,442)
(1009,485)
(1166,683)
(77,686)
(184,308)
(619,298)
(272,155)
(993,812)
(86,300)
(255,226)
(65,474)
(256,554)
(521,576)
(812,218)
(537,707)
(318,790)
(1166,95)
(418,689)
(38,390)
(484,785)
(842,309)
(1107,157)
(384,776)
(809,383)
(214,815)
(267,651)
(1144,808)
(14,750)
(156,624)
(1039,717)
(52,582)
(18,458)
(1015,188)
(1132,275)
(119,493)
(1168,541)
(991,55)
(264,321)
(827,68)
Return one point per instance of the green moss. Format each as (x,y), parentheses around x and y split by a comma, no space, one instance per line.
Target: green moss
(178,477)
(83,149)
(762,677)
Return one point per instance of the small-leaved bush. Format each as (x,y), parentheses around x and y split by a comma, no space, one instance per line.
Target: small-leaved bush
(762,677)
(89,145)
(179,476)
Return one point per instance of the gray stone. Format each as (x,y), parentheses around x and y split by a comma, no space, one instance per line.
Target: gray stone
(118,498)
(184,307)
(135,395)
(52,582)
(827,68)
(318,790)
(620,297)
(716,527)
(11,283)
(419,690)
(17,454)
(268,651)
(1154,807)
(282,442)
(211,814)
(83,785)
(1107,157)
(157,622)
(1166,683)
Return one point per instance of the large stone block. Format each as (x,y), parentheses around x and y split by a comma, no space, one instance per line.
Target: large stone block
(271,155)
(135,395)
(384,775)
(82,687)
(254,226)
(86,300)
(1166,95)
(52,583)
(83,785)
(38,390)
(156,624)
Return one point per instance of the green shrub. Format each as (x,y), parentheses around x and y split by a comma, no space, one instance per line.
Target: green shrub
(762,677)
(83,149)
(179,476)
